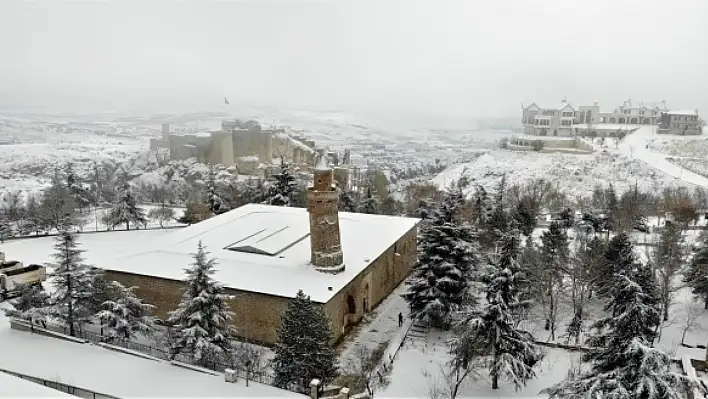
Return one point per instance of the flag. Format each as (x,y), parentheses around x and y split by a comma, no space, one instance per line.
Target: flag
(226,101)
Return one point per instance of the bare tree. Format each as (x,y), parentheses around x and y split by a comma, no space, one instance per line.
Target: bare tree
(364,368)
(691,320)
(451,377)
(251,359)
(668,261)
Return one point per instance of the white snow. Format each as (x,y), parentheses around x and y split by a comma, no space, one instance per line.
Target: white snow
(689,112)
(16,387)
(117,374)
(165,254)
(635,146)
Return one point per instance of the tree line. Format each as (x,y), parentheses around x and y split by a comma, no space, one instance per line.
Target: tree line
(479,273)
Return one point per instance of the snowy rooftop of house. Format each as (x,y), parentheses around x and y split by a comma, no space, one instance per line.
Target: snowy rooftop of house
(691,112)
(607,126)
(266,249)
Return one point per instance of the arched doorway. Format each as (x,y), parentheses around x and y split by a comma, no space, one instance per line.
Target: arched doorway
(351,305)
(633,121)
(612,120)
(646,121)
(622,120)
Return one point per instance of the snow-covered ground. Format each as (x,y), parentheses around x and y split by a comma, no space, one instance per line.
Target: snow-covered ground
(101,370)
(636,145)
(16,387)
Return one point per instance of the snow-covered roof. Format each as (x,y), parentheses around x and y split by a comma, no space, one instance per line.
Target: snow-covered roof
(565,105)
(266,249)
(690,112)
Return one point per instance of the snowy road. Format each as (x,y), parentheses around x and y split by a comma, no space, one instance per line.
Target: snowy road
(634,146)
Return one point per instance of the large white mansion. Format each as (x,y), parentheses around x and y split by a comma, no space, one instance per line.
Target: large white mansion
(569,120)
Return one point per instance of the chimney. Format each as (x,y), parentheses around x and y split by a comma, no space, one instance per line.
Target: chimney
(323,207)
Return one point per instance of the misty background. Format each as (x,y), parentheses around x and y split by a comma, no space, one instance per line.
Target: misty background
(442,59)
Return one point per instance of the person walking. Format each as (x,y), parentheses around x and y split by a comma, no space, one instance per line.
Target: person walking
(400,319)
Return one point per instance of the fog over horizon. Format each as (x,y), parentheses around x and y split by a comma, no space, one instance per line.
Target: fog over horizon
(408,58)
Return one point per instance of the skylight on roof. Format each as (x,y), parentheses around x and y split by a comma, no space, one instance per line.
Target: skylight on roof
(271,241)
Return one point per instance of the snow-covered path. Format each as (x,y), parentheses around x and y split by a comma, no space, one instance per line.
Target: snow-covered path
(634,146)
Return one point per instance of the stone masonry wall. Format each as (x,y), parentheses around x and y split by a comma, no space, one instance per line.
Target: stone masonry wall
(373,285)
(258,315)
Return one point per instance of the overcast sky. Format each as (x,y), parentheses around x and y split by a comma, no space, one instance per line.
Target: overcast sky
(439,58)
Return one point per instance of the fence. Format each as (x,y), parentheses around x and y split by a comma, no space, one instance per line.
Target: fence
(260,376)
(66,388)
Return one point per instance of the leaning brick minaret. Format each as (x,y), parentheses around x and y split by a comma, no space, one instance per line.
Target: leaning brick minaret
(323,207)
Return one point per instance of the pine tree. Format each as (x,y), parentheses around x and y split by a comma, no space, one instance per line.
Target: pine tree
(73,284)
(216,203)
(195,212)
(494,332)
(619,260)
(369,204)
(696,275)
(623,363)
(525,218)
(482,206)
(346,201)
(125,210)
(126,315)
(78,193)
(201,320)
(447,261)
(303,351)
(282,189)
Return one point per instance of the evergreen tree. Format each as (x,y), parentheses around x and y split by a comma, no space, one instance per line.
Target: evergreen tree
(447,262)
(303,351)
(619,260)
(194,213)
(79,195)
(73,283)
(696,275)
(202,317)
(101,292)
(125,210)
(494,332)
(126,315)
(216,203)
(282,189)
(525,218)
(369,204)
(482,206)
(623,363)
(346,201)
(31,305)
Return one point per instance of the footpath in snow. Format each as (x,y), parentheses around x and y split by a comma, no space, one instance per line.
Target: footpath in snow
(634,146)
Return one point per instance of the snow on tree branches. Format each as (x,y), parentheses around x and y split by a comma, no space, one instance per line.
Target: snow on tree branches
(283,187)
(73,283)
(125,210)
(303,350)
(492,333)
(126,315)
(201,321)
(447,261)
